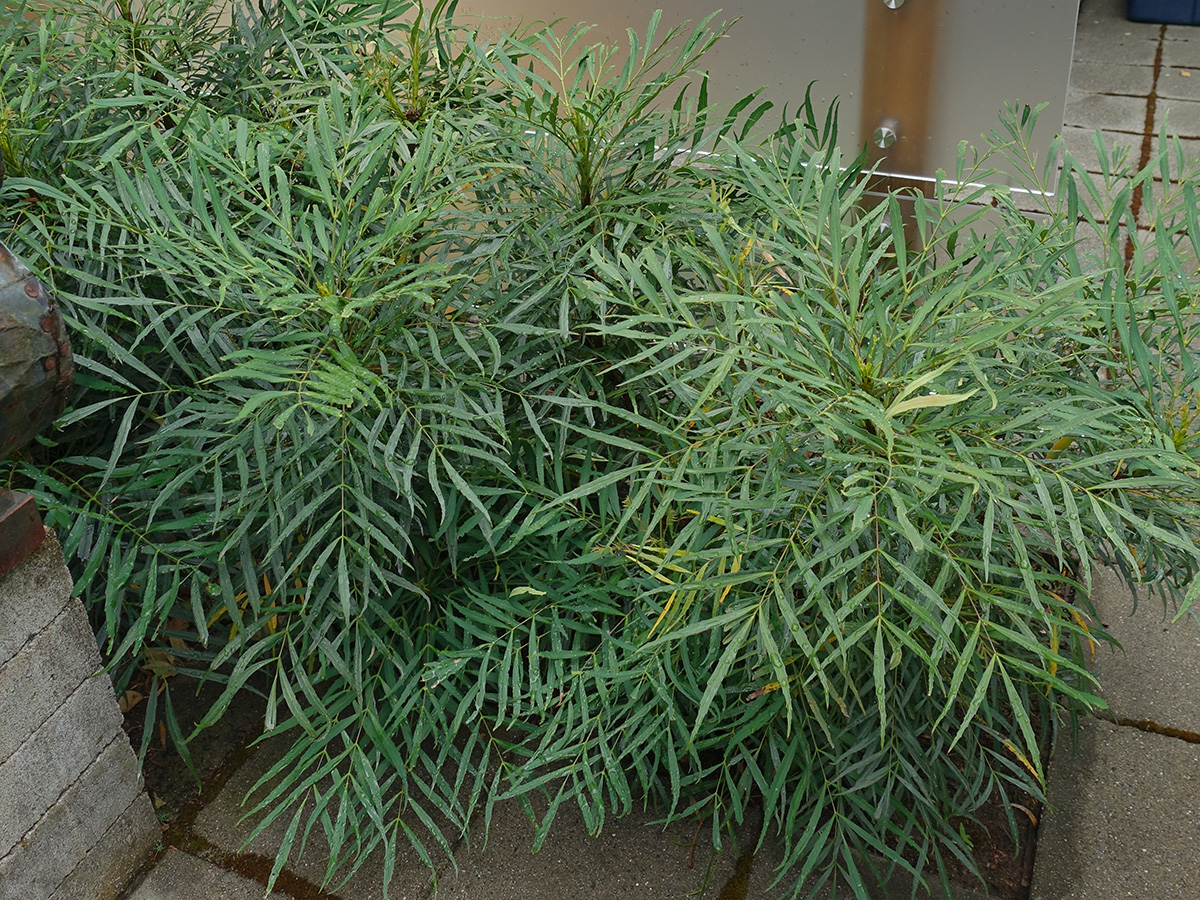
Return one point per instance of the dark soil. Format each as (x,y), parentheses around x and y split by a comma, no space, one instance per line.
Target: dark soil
(172,787)
(1006,866)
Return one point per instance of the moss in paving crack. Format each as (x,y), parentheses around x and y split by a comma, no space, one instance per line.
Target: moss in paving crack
(1147,139)
(1154,728)
(739,882)
(179,835)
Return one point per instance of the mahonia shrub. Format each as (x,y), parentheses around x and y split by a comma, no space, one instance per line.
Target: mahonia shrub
(525,429)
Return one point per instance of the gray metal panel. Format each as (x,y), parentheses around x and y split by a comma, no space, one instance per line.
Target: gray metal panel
(985,52)
(779,46)
(991,51)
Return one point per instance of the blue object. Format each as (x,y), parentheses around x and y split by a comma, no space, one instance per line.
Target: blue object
(1171,12)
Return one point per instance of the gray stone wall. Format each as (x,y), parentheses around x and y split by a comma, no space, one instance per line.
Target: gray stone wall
(75,820)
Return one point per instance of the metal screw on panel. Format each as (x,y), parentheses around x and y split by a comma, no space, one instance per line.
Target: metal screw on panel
(893,4)
(885,135)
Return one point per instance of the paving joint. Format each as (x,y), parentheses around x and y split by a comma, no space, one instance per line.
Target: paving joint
(1120,94)
(252,866)
(1147,137)
(179,833)
(1151,727)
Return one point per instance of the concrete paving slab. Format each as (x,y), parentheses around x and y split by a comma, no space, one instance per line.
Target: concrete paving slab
(1117,29)
(1181,48)
(1125,812)
(1107,18)
(762,876)
(1103,78)
(631,858)
(1178,84)
(1182,33)
(1095,111)
(221,823)
(1156,675)
(634,857)
(180,876)
(1190,148)
(1079,141)
(1182,117)
(1134,50)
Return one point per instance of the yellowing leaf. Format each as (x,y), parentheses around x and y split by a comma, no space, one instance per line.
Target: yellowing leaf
(765,689)
(1082,624)
(662,615)
(649,571)
(1027,811)
(1060,445)
(1012,748)
(1053,649)
(733,570)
